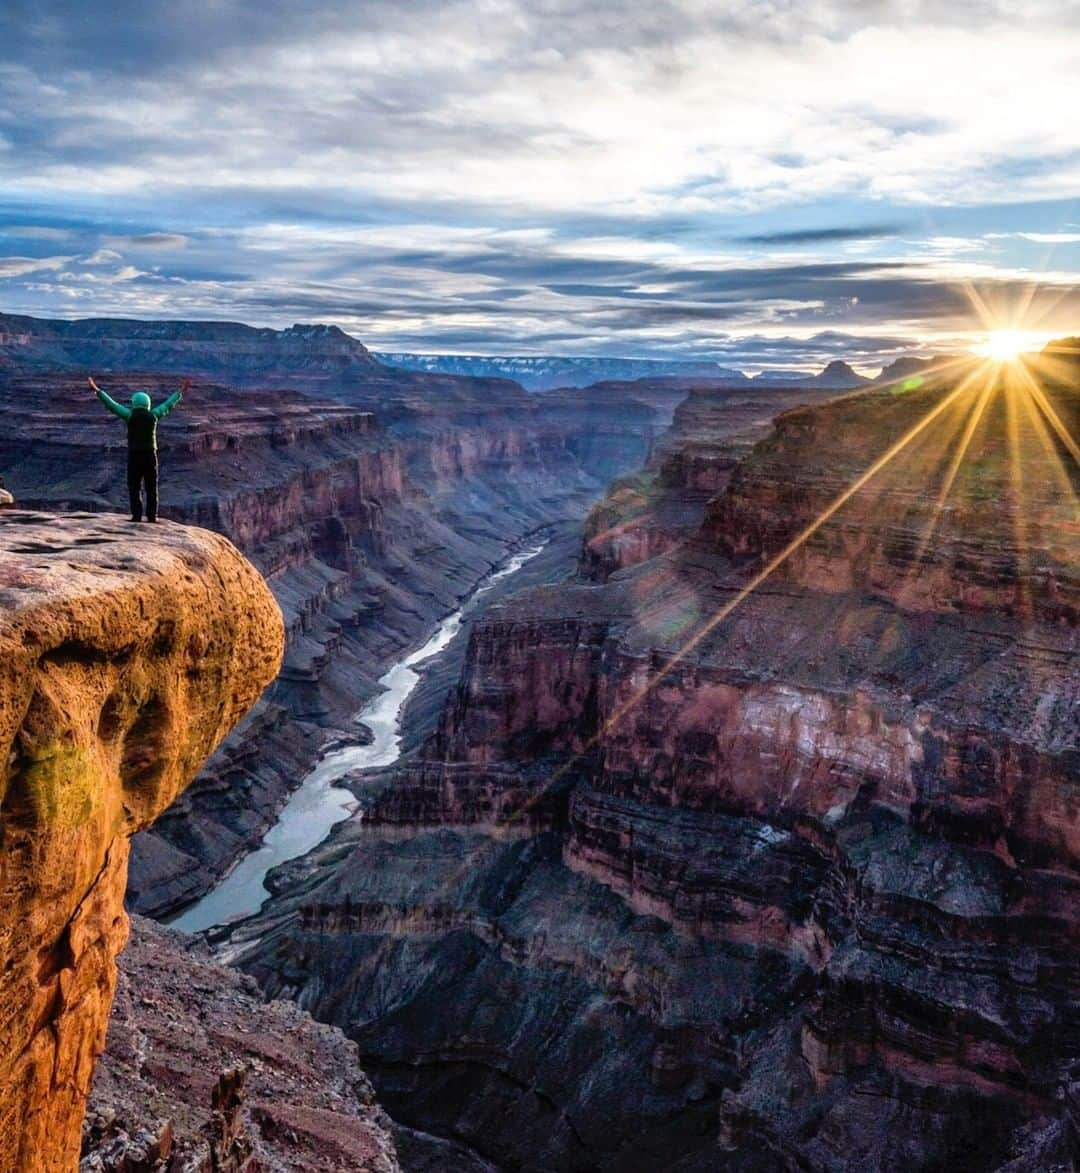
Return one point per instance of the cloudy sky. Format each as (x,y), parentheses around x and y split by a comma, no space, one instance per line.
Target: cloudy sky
(769,182)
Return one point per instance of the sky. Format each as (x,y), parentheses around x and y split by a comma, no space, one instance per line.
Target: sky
(773,183)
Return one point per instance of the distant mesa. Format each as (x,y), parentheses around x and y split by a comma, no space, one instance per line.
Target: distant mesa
(192,348)
(838,375)
(547,372)
(908,366)
(318,353)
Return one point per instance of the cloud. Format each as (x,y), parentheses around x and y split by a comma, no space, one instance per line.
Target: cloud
(580,173)
(154,240)
(21,266)
(1052,237)
(34,232)
(425,286)
(101,256)
(545,104)
(823,235)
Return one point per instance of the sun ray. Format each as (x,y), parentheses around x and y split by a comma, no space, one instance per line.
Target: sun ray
(1047,408)
(780,558)
(949,466)
(934,371)
(1050,366)
(974,418)
(1019,505)
(982,311)
(1053,455)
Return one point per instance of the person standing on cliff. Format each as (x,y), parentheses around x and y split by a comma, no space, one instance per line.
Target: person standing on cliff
(142,465)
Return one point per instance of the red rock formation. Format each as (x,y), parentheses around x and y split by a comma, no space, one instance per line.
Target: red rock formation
(804,898)
(126,654)
(648,514)
(1002,538)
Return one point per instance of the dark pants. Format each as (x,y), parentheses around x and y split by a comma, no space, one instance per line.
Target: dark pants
(142,470)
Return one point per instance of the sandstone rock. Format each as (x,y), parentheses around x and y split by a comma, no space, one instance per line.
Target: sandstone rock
(126,654)
(645,515)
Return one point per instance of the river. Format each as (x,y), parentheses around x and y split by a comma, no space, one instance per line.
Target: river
(318,804)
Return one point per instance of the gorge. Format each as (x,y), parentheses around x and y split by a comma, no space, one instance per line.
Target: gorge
(785,885)
(373,500)
(682,866)
(317,804)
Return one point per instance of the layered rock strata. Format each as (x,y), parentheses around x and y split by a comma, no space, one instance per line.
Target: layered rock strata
(695,878)
(126,655)
(652,511)
(371,513)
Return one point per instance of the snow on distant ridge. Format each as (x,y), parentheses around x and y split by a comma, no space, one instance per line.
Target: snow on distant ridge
(542,372)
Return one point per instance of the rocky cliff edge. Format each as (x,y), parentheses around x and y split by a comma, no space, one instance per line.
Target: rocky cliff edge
(126,654)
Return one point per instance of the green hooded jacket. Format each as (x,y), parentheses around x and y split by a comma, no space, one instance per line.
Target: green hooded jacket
(141,418)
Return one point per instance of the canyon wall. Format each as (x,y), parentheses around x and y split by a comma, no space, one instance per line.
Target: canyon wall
(655,509)
(373,500)
(125,657)
(189,348)
(695,877)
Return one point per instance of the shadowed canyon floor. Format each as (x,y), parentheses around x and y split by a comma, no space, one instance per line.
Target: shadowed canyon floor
(691,876)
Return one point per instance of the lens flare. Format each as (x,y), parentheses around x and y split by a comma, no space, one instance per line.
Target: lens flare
(1009,345)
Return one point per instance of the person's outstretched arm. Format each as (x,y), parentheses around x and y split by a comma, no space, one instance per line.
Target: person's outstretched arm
(116,408)
(164,408)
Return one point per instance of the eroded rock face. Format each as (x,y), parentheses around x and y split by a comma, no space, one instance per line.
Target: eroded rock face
(804,899)
(653,511)
(978,514)
(126,654)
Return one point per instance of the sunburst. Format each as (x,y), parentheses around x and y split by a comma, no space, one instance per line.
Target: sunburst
(1007,345)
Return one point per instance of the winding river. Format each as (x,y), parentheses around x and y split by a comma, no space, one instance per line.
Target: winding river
(318,803)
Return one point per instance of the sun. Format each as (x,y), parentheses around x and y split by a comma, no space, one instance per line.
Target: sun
(1007,345)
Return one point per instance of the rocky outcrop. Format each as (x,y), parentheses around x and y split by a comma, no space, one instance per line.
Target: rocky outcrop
(201,1074)
(979,513)
(835,376)
(915,367)
(126,654)
(768,880)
